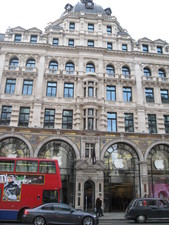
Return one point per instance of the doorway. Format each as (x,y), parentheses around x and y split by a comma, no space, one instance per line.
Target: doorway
(117,196)
(89,196)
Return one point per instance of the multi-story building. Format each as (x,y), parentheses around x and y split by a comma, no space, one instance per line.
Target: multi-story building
(84,92)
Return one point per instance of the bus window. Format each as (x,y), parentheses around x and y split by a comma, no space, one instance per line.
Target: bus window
(0,194)
(26,166)
(50,196)
(7,165)
(47,167)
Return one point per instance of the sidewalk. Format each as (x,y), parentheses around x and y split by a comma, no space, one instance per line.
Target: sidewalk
(112,216)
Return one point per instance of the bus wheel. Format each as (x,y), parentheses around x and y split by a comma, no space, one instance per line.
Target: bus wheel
(39,220)
(20,215)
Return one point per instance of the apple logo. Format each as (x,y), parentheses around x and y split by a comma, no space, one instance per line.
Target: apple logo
(159,164)
(118,163)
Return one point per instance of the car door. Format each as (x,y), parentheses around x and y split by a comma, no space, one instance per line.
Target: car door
(63,214)
(153,209)
(164,209)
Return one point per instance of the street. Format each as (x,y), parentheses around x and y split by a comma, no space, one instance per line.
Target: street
(115,222)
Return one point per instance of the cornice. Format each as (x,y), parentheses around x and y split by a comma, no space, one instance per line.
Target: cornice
(78,49)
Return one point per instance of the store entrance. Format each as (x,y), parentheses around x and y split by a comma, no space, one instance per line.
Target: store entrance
(117,196)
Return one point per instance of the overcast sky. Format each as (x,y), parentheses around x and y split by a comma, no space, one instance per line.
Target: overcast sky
(141,18)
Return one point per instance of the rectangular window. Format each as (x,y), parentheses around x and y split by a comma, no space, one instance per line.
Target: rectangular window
(67,119)
(90,27)
(68,90)
(149,94)
(55,41)
(72,26)
(111,122)
(159,50)
(33,39)
(71,43)
(49,118)
(124,47)
(10,86)
(17,38)
(166,123)
(164,96)
(7,165)
(152,123)
(6,115)
(129,123)
(90,43)
(27,87)
(109,29)
(109,45)
(127,94)
(24,117)
(111,93)
(145,48)
(26,166)
(51,89)
(89,150)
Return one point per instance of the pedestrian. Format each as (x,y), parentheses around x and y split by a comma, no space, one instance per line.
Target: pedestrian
(99,207)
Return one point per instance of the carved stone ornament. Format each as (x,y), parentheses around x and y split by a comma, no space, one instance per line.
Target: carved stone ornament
(68,7)
(89,4)
(108,11)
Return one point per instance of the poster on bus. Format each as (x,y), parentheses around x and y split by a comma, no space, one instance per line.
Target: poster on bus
(13,183)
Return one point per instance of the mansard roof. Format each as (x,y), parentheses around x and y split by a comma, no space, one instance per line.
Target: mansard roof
(87,6)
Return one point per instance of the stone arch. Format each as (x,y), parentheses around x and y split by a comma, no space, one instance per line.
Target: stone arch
(20,137)
(152,146)
(70,142)
(132,144)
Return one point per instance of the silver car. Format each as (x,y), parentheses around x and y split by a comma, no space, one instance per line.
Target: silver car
(58,213)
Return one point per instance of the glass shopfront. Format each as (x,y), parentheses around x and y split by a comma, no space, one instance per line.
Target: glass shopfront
(121,177)
(65,155)
(158,171)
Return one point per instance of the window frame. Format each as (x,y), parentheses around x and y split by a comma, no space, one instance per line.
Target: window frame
(152,123)
(67,120)
(27,87)
(51,89)
(50,122)
(111,122)
(6,115)
(24,122)
(129,122)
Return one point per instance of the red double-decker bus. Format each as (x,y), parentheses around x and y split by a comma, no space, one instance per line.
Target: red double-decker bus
(27,183)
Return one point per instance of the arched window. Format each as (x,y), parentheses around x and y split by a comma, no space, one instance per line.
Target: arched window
(13,64)
(110,70)
(53,66)
(161,73)
(90,68)
(69,68)
(147,72)
(30,64)
(125,71)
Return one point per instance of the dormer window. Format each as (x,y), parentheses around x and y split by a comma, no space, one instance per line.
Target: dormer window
(124,47)
(159,50)
(33,39)
(17,37)
(145,48)
(89,4)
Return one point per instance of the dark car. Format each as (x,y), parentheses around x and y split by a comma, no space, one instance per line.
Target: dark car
(142,209)
(58,213)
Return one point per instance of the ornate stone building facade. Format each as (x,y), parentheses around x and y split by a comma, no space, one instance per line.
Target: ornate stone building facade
(84,92)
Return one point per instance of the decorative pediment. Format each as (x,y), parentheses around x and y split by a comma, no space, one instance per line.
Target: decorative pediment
(85,164)
(18,29)
(145,39)
(34,30)
(160,41)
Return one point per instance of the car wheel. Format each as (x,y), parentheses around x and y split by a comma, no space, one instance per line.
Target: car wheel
(87,221)
(39,220)
(140,219)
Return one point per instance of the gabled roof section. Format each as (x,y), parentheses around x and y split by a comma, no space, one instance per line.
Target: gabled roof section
(145,39)
(34,30)
(18,29)
(160,41)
